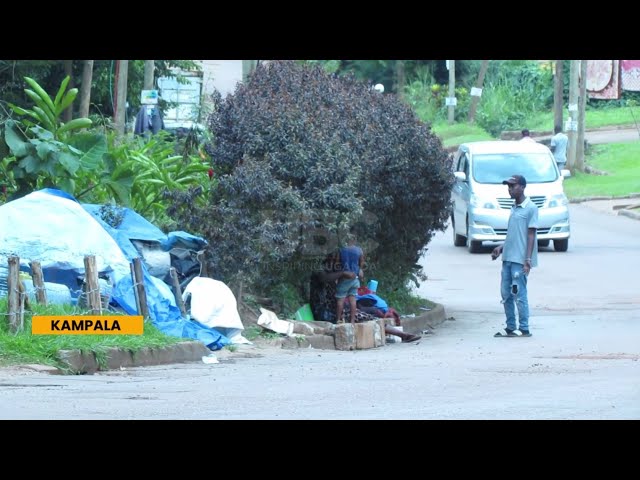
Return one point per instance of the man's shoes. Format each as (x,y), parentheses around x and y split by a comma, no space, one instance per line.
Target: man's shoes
(513,333)
(507,332)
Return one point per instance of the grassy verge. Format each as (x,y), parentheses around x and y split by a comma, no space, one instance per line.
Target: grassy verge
(619,116)
(463,132)
(459,133)
(42,349)
(620,161)
(406,302)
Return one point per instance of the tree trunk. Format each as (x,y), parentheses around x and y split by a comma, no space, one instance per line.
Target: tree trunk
(400,78)
(121,96)
(67,115)
(85,88)
(476,98)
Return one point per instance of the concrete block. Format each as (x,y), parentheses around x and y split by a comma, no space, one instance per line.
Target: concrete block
(364,333)
(78,362)
(302,328)
(322,342)
(345,337)
(379,337)
(296,341)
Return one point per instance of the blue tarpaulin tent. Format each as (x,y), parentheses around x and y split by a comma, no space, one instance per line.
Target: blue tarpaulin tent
(52,227)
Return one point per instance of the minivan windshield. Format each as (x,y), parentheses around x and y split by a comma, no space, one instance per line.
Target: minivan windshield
(495,167)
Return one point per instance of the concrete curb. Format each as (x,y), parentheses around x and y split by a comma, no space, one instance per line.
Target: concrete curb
(630,214)
(427,320)
(78,362)
(589,199)
(322,341)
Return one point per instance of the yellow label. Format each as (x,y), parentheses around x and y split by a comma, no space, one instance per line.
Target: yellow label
(87,325)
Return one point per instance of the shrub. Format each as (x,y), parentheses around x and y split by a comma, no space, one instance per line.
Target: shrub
(302,156)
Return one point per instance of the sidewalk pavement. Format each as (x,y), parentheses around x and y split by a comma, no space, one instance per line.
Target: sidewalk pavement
(614,206)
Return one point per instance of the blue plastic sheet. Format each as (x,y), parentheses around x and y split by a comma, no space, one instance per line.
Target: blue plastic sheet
(52,227)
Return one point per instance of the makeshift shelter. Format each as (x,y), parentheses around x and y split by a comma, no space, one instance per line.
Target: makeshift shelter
(50,226)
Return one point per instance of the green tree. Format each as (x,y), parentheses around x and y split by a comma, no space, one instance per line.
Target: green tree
(302,156)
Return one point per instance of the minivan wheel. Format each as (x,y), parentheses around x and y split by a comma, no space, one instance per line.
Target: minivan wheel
(543,243)
(458,240)
(561,245)
(473,245)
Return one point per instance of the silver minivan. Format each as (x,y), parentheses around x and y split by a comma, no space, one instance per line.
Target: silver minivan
(481,203)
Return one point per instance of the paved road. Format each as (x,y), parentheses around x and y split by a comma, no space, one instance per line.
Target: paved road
(607,135)
(613,136)
(581,363)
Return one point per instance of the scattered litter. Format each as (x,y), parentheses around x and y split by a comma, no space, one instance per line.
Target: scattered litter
(209,359)
(426,309)
(270,321)
(411,315)
(427,332)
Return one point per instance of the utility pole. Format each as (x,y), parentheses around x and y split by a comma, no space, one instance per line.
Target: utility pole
(582,105)
(121,96)
(451,99)
(558,94)
(476,92)
(149,66)
(572,124)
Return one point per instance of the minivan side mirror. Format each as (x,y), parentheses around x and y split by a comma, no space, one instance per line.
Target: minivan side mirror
(565,173)
(460,176)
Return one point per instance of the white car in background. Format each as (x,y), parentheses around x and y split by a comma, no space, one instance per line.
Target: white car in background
(481,203)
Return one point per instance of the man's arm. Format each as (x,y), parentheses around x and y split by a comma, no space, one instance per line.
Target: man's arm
(531,237)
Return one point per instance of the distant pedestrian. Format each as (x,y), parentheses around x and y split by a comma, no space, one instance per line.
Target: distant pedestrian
(526,136)
(558,146)
(519,254)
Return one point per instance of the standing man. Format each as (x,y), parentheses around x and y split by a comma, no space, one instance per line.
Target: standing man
(352,259)
(526,136)
(558,146)
(519,254)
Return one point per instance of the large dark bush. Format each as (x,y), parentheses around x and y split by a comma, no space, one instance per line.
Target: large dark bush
(301,157)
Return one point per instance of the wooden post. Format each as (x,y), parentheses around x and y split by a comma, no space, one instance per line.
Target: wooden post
(476,98)
(201,257)
(13,293)
(38,283)
(452,90)
(139,282)
(558,95)
(177,291)
(135,288)
(91,285)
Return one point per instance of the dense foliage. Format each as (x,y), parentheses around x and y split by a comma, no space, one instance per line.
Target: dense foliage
(301,157)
